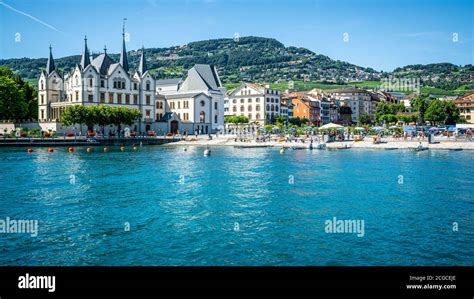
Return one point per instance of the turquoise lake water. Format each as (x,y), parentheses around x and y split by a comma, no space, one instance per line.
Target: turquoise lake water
(237,207)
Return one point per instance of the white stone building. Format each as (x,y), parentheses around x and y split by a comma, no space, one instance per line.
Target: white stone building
(192,105)
(359,100)
(174,105)
(260,104)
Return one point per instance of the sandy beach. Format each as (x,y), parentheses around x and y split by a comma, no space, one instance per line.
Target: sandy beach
(387,143)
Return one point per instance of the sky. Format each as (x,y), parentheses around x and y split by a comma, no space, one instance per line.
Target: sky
(382,34)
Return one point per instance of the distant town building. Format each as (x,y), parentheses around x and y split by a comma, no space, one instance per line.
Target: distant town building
(465,105)
(305,106)
(358,100)
(260,104)
(287,105)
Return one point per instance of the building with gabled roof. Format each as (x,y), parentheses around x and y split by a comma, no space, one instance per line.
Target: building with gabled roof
(465,105)
(259,103)
(195,103)
(97,81)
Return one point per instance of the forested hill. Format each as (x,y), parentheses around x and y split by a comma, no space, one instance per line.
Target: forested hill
(258,59)
(442,75)
(249,58)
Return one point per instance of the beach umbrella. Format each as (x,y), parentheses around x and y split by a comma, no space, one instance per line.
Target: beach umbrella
(331,126)
(378,128)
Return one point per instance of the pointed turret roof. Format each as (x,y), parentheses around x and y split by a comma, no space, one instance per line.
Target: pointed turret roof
(50,67)
(142,68)
(85,59)
(123,55)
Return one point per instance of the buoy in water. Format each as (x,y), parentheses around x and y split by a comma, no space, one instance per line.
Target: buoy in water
(71,150)
(122,148)
(282,151)
(50,150)
(106,149)
(134,148)
(89,150)
(30,150)
(185,149)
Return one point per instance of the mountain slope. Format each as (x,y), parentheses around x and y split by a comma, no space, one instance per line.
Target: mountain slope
(251,58)
(259,59)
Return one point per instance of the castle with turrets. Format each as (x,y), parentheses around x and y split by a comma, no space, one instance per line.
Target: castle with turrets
(193,104)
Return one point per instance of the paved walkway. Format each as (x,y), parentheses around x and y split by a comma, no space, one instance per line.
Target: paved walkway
(387,144)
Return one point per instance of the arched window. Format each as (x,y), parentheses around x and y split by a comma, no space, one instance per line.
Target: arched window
(268,107)
(234,109)
(273,108)
(234,101)
(242,108)
(249,100)
(257,116)
(250,115)
(202,117)
(276,108)
(257,100)
(249,108)
(42,84)
(241,101)
(257,108)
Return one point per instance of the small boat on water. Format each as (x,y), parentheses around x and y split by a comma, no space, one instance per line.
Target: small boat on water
(418,148)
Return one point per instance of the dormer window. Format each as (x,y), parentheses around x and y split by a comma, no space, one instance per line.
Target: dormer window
(147,86)
(119,83)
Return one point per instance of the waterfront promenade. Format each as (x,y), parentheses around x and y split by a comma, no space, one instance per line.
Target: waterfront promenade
(83,141)
(387,143)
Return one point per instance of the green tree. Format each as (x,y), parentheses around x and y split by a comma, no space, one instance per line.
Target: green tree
(453,114)
(389,118)
(442,112)
(364,119)
(123,115)
(386,108)
(71,116)
(420,104)
(11,104)
(17,98)
(104,116)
